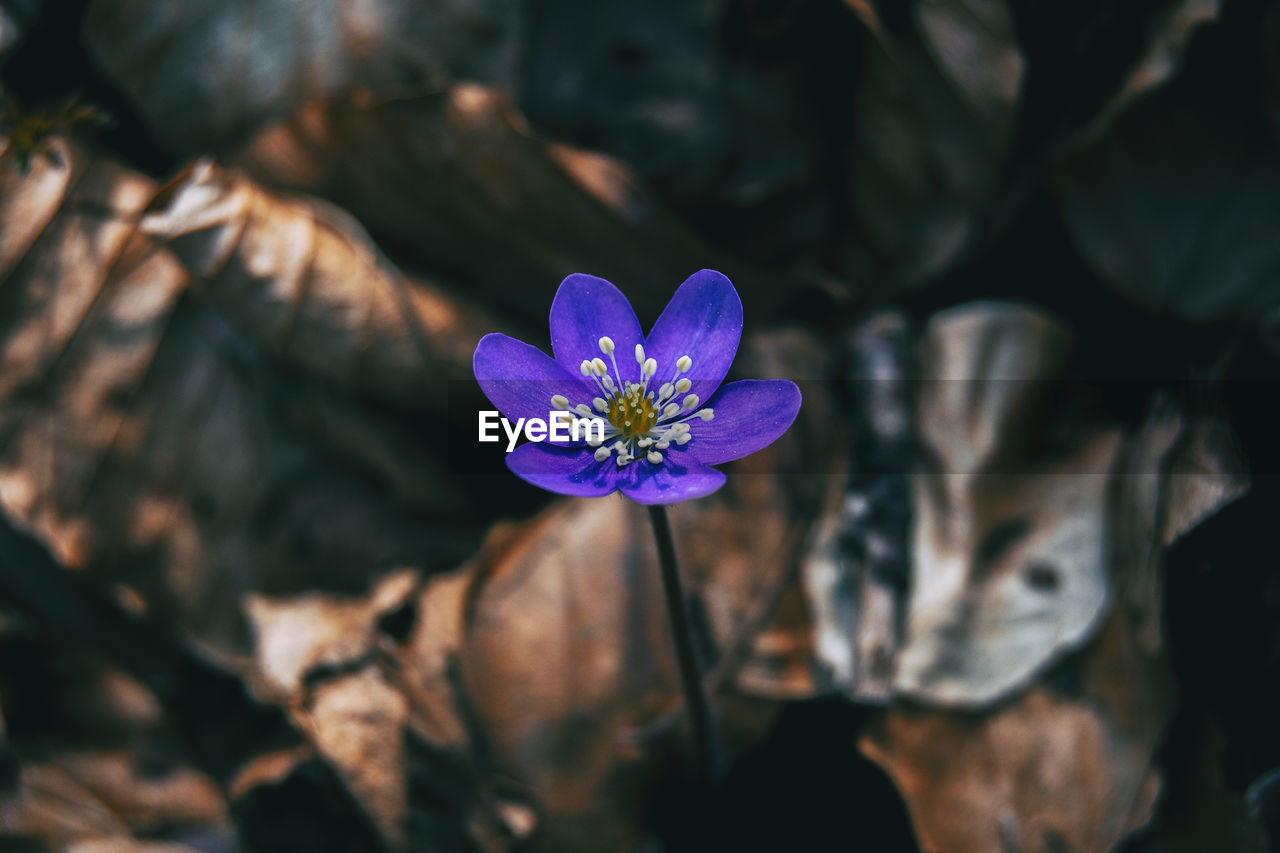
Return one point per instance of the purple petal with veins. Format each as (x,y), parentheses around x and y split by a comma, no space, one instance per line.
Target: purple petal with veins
(563,470)
(703,321)
(750,415)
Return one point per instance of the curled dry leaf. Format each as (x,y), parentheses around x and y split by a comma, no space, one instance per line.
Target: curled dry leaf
(1037,595)
(1175,472)
(162,442)
(1014,561)
(1053,769)
(302,638)
(147,803)
(54,806)
(305,283)
(1009,567)
(444,179)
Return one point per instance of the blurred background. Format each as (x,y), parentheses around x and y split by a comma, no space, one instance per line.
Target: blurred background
(1007,585)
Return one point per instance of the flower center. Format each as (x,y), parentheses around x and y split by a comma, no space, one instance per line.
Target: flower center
(632,412)
(640,421)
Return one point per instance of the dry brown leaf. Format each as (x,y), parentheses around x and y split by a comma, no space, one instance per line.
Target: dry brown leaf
(52,805)
(132,845)
(147,438)
(1014,560)
(299,636)
(567,660)
(357,722)
(1009,562)
(1175,472)
(1043,704)
(1207,472)
(1051,770)
(305,283)
(455,184)
(147,803)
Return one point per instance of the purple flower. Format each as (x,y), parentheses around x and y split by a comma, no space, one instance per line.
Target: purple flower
(666,417)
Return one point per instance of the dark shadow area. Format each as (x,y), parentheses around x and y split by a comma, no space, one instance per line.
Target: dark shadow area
(806,787)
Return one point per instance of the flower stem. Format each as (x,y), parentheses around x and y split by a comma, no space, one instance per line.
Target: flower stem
(690,674)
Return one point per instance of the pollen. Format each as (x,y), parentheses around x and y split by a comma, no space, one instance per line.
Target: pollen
(633,413)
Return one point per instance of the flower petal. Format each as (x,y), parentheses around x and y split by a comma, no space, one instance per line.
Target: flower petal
(520,379)
(680,477)
(565,471)
(703,320)
(586,309)
(749,415)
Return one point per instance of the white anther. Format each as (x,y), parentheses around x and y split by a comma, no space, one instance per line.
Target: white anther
(623,460)
(681,427)
(665,390)
(690,401)
(670,410)
(683,363)
(662,445)
(655,457)
(560,401)
(684,438)
(602,454)
(583,409)
(598,365)
(600,404)
(639,354)
(608,383)
(619,446)
(644,442)
(585,367)
(650,366)
(683,385)
(595,442)
(707,414)
(606,345)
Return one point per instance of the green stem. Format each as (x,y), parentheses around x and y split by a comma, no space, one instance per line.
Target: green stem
(690,675)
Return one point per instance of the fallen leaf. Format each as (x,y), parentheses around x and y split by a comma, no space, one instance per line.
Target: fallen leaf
(1009,562)
(443,179)
(935,113)
(205,74)
(1174,208)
